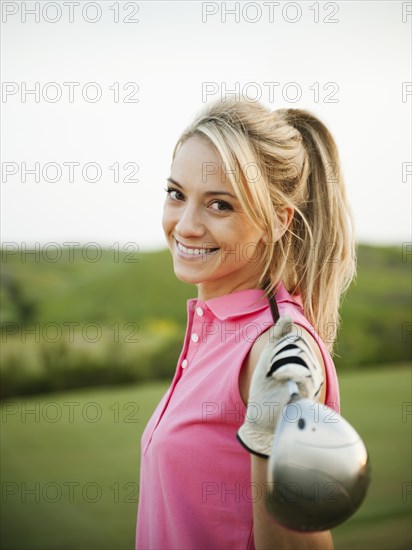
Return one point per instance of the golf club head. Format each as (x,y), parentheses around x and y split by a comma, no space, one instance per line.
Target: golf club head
(318,470)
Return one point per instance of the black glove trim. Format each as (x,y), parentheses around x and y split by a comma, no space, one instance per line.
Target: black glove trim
(250,450)
(294,360)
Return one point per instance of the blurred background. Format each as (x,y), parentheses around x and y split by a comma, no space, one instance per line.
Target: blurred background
(92,317)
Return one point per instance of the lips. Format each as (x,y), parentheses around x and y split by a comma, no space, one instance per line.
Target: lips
(193,251)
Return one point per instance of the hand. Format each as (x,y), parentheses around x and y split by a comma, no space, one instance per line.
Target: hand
(287,368)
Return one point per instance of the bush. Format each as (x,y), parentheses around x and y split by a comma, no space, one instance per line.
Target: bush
(41,367)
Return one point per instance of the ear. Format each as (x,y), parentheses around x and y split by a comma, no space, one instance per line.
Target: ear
(285,217)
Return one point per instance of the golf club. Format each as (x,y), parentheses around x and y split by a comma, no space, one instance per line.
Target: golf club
(318,470)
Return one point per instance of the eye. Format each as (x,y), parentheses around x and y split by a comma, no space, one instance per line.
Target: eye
(170,190)
(222,206)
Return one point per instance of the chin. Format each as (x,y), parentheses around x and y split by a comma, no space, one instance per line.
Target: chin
(186,277)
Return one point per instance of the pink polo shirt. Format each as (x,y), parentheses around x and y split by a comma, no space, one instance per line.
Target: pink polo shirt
(196,491)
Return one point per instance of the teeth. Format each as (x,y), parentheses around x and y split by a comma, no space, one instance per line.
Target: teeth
(194,251)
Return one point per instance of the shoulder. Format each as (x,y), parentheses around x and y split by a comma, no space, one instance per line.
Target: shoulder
(255,351)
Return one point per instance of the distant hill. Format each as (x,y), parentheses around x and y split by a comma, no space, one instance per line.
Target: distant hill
(376,312)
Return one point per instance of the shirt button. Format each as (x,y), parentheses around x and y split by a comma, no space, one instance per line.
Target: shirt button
(199,311)
(195,337)
(184,363)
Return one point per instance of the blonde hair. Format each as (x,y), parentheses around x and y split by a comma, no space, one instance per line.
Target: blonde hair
(288,158)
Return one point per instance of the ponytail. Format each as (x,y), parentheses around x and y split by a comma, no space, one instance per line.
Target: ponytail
(324,254)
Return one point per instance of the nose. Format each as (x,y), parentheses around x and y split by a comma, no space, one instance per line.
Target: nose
(189,223)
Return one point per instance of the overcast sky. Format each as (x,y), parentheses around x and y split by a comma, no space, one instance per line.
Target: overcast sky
(152,64)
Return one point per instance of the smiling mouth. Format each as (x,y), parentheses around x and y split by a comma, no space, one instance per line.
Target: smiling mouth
(194,251)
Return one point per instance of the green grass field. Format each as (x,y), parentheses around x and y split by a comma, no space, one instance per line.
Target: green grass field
(70,482)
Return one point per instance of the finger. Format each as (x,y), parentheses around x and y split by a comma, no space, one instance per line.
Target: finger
(282,328)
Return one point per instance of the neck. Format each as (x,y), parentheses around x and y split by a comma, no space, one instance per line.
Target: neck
(213,289)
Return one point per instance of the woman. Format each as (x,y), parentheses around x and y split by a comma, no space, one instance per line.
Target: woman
(256,216)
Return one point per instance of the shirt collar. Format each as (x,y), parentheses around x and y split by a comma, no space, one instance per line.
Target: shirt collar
(242,302)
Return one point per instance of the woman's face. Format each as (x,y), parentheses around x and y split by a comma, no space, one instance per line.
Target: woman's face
(202,213)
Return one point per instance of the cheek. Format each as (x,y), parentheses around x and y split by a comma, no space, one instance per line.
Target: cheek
(241,244)
(247,234)
(166,219)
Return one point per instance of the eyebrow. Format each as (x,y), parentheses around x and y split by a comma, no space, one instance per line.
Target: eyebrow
(207,193)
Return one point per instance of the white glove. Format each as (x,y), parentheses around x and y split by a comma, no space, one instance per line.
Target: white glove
(287,358)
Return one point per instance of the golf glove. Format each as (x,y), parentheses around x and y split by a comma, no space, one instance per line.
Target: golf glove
(286,359)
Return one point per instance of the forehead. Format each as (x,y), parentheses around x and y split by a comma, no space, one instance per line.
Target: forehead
(198,161)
